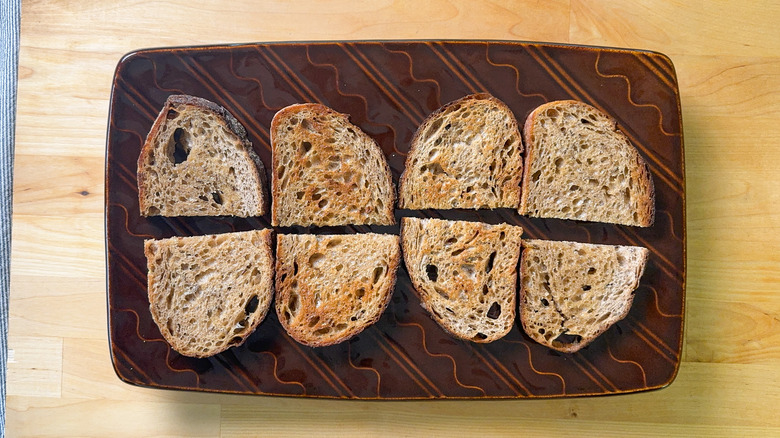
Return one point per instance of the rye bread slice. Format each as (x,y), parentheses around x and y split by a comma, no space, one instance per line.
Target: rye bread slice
(329,288)
(209,293)
(327,171)
(465,274)
(572,292)
(579,165)
(198,161)
(466,154)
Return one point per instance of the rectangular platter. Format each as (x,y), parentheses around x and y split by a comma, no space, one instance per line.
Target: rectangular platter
(388,88)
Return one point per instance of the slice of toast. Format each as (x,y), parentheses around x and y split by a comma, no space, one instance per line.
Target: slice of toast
(327,171)
(572,292)
(198,161)
(465,274)
(578,165)
(331,287)
(466,154)
(209,293)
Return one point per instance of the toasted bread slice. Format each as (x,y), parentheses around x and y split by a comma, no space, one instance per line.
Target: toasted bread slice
(466,154)
(331,287)
(327,171)
(209,293)
(198,161)
(578,165)
(465,274)
(572,292)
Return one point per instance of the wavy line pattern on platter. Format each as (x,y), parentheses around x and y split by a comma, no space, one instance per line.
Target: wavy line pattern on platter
(387,88)
(564,78)
(633,102)
(448,357)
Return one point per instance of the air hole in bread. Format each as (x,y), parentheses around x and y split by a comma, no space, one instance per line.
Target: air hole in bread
(360,293)
(441,292)
(495,311)
(585,121)
(181,146)
(552,113)
(322,203)
(172,114)
(450,241)
(217,197)
(314,320)
(434,168)
(458,251)
(586,287)
(315,259)
(236,340)
(485,289)
(591,270)
(378,271)
(322,331)
(566,338)
(432,271)
(545,303)
(295,268)
(490,262)
(305,124)
(305,147)
(480,336)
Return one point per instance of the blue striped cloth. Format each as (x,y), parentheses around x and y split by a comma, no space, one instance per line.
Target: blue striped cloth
(9,56)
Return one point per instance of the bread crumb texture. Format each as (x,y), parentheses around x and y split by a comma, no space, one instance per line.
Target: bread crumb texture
(197,161)
(329,288)
(465,274)
(572,292)
(327,171)
(580,166)
(466,154)
(209,293)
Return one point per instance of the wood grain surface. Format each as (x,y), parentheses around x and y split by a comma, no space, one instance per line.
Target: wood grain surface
(727,59)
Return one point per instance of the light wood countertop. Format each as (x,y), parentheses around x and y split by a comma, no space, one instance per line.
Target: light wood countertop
(727,58)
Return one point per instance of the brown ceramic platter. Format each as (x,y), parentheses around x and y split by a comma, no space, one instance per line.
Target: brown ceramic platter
(388,88)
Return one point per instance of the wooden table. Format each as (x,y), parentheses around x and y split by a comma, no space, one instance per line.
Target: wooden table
(727,55)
